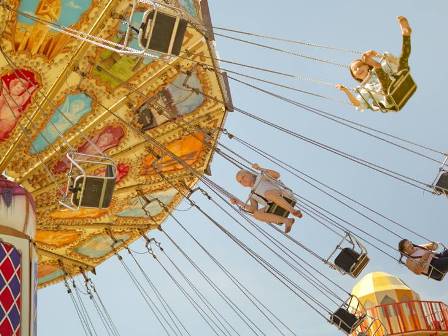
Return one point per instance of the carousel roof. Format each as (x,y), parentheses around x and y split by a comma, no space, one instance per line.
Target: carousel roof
(61,93)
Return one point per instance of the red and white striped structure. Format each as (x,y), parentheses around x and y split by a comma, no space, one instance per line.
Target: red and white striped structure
(395,309)
(18,261)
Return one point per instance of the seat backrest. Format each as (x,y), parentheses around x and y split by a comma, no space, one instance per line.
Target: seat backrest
(346,259)
(401,89)
(279,211)
(97,192)
(435,274)
(166,37)
(442,183)
(345,320)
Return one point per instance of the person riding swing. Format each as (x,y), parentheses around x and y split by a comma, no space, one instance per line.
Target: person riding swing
(386,85)
(276,200)
(423,259)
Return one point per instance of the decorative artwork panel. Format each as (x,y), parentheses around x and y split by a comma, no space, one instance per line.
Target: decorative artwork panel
(115,69)
(173,101)
(37,38)
(79,214)
(189,149)
(107,138)
(57,239)
(139,207)
(189,7)
(100,245)
(48,273)
(16,93)
(74,107)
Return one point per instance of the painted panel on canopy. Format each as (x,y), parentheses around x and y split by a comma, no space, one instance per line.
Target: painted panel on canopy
(57,239)
(189,149)
(115,69)
(100,245)
(107,138)
(135,205)
(37,38)
(173,101)
(48,273)
(122,172)
(189,6)
(82,213)
(16,94)
(74,107)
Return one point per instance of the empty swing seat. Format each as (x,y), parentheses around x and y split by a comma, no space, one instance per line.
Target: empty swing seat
(162,32)
(93,191)
(279,211)
(345,320)
(90,183)
(351,262)
(441,186)
(401,89)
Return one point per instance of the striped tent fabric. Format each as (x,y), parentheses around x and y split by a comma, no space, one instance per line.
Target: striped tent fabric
(10,283)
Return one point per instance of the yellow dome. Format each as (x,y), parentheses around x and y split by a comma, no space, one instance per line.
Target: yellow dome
(380,288)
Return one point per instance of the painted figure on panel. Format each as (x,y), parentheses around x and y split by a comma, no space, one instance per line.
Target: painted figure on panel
(173,101)
(37,38)
(16,92)
(107,138)
(188,149)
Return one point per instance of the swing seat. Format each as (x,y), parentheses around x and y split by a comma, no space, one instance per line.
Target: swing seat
(279,211)
(401,89)
(352,257)
(93,191)
(162,32)
(345,320)
(435,274)
(441,186)
(351,262)
(89,190)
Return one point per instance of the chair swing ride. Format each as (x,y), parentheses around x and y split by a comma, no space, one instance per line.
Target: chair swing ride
(109,118)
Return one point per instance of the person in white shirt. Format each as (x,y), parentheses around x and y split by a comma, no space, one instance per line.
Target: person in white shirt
(419,258)
(375,77)
(266,188)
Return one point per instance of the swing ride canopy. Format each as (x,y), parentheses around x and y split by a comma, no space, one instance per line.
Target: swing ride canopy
(60,93)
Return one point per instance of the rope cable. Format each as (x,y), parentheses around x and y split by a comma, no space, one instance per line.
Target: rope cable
(168,310)
(84,325)
(244,290)
(192,301)
(341,121)
(83,308)
(230,303)
(149,302)
(239,310)
(308,44)
(310,58)
(93,291)
(291,169)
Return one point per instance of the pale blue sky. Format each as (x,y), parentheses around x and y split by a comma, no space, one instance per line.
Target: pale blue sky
(346,24)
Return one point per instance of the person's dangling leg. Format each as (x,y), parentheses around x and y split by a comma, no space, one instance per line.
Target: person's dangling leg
(406,46)
(276,197)
(274,219)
